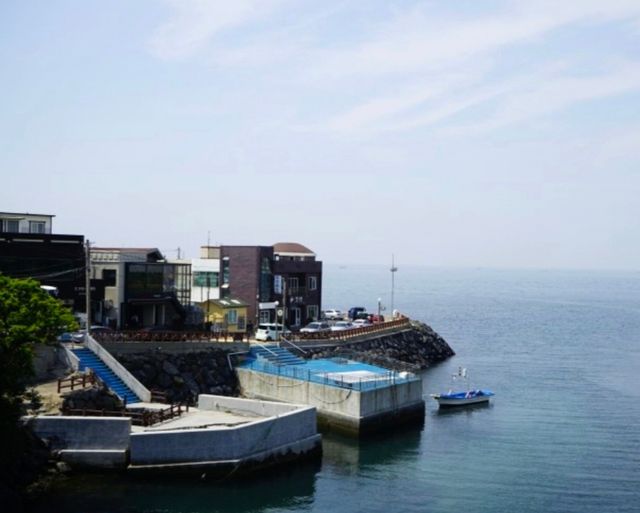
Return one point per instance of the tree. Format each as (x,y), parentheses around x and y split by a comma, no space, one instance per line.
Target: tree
(28,317)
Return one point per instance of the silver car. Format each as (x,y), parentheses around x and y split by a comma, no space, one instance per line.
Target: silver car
(315,327)
(333,314)
(342,326)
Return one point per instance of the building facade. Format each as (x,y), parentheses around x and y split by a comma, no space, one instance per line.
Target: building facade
(30,249)
(297,283)
(141,289)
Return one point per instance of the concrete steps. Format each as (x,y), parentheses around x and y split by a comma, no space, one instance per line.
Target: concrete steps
(89,360)
(276,355)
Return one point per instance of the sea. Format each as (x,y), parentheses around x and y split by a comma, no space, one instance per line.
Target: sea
(561,351)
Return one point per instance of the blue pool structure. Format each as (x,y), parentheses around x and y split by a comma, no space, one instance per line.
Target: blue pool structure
(334,372)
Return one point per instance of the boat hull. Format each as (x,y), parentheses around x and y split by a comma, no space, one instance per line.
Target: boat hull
(462,398)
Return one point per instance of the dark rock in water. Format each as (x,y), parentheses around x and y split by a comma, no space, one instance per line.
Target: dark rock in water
(95,398)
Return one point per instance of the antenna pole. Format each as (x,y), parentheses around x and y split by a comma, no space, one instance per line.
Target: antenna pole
(87,285)
(394,269)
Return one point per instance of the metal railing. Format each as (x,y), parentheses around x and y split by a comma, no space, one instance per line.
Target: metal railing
(348,334)
(84,380)
(138,418)
(377,381)
(290,342)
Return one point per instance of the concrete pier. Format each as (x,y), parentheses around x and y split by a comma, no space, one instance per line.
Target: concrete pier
(222,436)
(340,408)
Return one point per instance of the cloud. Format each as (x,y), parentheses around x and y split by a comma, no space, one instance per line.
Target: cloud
(196,23)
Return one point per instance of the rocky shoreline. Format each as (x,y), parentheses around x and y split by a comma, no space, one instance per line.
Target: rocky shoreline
(182,377)
(412,350)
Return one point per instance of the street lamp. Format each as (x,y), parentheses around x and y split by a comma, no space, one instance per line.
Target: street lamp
(379,306)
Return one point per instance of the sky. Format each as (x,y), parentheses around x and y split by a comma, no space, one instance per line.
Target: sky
(449,133)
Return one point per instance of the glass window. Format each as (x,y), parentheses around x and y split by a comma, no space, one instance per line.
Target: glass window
(232,317)
(36,226)
(10,225)
(205,279)
(312,312)
(313,282)
(109,277)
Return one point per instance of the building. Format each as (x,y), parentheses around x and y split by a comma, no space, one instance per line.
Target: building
(297,282)
(247,275)
(141,289)
(228,314)
(284,277)
(30,249)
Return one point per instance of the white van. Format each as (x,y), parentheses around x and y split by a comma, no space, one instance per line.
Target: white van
(270,331)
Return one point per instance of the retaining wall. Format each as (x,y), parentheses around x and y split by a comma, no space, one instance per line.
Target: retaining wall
(100,442)
(292,431)
(341,409)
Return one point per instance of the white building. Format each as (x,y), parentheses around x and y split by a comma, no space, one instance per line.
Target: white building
(14,222)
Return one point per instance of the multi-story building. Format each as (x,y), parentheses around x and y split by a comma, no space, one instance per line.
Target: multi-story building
(298,282)
(246,275)
(30,249)
(285,277)
(141,288)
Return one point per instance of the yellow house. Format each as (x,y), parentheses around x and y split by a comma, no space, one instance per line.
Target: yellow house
(226,314)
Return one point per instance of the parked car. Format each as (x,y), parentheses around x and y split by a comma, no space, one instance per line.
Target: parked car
(342,326)
(333,315)
(268,331)
(355,310)
(316,327)
(76,336)
(100,329)
(359,323)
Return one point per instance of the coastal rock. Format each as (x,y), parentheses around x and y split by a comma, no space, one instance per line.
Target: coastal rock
(183,376)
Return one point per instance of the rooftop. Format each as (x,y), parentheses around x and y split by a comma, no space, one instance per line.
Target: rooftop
(291,248)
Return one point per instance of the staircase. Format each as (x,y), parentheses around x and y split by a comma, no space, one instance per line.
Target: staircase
(275,355)
(89,360)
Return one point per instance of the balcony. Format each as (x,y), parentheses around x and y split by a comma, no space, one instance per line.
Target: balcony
(297,266)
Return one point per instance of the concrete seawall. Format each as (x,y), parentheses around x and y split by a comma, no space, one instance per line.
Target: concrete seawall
(97,442)
(341,409)
(289,430)
(223,435)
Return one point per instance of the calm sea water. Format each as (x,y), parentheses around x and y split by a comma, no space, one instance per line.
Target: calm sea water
(560,349)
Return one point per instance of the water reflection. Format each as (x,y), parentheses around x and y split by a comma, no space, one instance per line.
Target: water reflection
(287,488)
(347,456)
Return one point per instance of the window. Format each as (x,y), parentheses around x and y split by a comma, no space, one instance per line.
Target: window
(205,279)
(312,282)
(292,283)
(312,312)
(36,226)
(241,323)
(265,316)
(225,271)
(10,225)
(109,277)
(232,317)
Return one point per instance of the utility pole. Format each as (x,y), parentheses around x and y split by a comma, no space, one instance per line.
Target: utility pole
(87,285)
(393,269)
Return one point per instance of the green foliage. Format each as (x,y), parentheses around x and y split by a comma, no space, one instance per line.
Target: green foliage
(28,316)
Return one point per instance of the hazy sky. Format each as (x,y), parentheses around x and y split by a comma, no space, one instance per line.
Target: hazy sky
(459,133)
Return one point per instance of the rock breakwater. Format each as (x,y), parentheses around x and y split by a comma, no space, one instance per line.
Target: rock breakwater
(412,350)
(183,376)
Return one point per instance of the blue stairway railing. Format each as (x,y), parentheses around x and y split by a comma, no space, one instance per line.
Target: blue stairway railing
(89,360)
(275,355)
